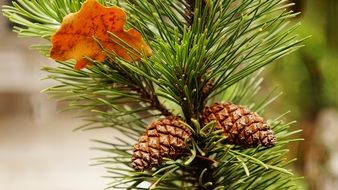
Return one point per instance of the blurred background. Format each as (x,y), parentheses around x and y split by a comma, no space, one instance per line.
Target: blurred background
(309,80)
(38,149)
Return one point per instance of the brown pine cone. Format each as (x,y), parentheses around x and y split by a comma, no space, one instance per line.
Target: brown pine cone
(240,125)
(163,138)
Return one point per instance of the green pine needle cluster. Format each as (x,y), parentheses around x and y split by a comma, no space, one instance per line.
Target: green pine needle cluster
(204,51)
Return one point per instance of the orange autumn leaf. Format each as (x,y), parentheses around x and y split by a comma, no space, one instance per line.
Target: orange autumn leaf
(75,38)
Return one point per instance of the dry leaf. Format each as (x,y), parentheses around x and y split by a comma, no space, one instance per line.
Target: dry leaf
(75,38)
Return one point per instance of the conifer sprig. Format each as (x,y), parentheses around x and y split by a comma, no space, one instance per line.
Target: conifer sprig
(203,51)
(227,41)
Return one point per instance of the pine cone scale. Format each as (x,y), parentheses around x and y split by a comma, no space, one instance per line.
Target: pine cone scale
(152,133)
(153,142)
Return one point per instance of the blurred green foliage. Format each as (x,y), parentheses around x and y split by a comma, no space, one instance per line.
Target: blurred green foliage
(309,77)
(309,80)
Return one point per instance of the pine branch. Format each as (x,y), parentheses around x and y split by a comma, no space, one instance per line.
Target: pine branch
(191,6)
(231,164)
(189,11)
(153,100)
(203,52)
(125,87)
(226,162)
(211,47)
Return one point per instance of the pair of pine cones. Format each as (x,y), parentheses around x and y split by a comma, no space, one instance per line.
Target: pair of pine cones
(166,137)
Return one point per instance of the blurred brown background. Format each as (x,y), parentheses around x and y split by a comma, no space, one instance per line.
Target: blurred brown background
(309,80)
(38,149)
